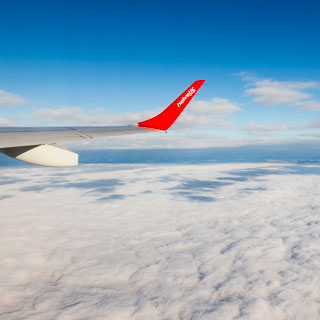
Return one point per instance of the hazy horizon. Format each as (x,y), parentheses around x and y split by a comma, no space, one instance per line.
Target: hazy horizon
(286,152)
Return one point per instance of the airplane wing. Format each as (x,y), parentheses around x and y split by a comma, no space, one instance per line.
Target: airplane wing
(37,145)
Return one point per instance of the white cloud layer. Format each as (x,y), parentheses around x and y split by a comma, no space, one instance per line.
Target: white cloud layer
(60,115)
(308,105)
(207,114)
(223,241)
(157,140)
(269,92)
(6,123)
(8,99)
(265,129)
(200,113)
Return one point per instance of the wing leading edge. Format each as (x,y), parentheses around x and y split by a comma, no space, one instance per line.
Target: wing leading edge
(13,138)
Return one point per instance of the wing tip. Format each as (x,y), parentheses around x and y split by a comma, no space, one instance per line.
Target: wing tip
(164,120)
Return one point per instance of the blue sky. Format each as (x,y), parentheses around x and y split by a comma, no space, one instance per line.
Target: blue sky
(89,62)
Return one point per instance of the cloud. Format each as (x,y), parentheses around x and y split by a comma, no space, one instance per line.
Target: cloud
(269,92)
(60,115)
(8,99)
(157,140)
(165,242)
(267,129)
(308,105)
(311,134)
(77,116)
(216,106)
(200,114)
(7,123)
(272,129)
(207,114)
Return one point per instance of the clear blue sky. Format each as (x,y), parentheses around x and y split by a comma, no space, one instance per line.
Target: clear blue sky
(132,56)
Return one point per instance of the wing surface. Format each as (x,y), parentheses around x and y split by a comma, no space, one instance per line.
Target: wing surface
(13,140)
(23,136)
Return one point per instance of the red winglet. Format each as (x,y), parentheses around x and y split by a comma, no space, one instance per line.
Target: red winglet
(166,118)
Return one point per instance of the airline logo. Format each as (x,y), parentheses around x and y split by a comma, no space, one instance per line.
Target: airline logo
(189,94)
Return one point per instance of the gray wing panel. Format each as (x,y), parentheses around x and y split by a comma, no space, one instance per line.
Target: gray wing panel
(23,136)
